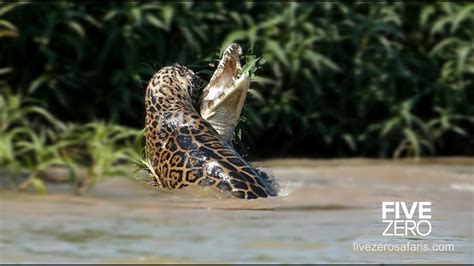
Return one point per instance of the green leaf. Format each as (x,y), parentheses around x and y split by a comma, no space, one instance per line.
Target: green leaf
(462,57)
(39,186)
(318,60)
(5,8)
(257,95)
(7,29)
(5,70)
(467,12)
(441,46)
(168,14)
(250,66)
(45,114)
(426,13)
(36,83)
(6,24)
(156,22)
(77,28)
(389,125)
(275,48)
(413,139)
(350,141)
(440,25)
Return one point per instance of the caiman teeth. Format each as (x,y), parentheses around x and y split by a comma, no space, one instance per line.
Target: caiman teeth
(232,52)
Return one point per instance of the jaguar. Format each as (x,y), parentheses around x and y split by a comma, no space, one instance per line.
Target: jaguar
(189,126)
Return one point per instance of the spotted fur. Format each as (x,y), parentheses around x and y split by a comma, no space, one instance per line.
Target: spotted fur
(185,149)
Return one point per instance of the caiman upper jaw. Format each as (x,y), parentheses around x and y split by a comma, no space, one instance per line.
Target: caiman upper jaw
(229,66)
(223,78)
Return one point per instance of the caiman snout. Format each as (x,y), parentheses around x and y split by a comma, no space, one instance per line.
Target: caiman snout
(224,95)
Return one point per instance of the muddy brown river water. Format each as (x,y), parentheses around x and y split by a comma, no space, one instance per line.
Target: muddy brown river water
(326,209)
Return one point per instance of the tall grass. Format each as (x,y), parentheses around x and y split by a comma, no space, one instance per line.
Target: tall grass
(33,139)
(335,79)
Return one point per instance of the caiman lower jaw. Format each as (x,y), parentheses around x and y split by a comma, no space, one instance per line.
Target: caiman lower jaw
(224,112)
(220,92)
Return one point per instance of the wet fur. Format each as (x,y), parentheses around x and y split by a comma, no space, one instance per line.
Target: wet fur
(185,149)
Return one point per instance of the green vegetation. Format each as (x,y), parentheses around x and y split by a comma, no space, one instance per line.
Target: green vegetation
(99,148)
(329,79)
